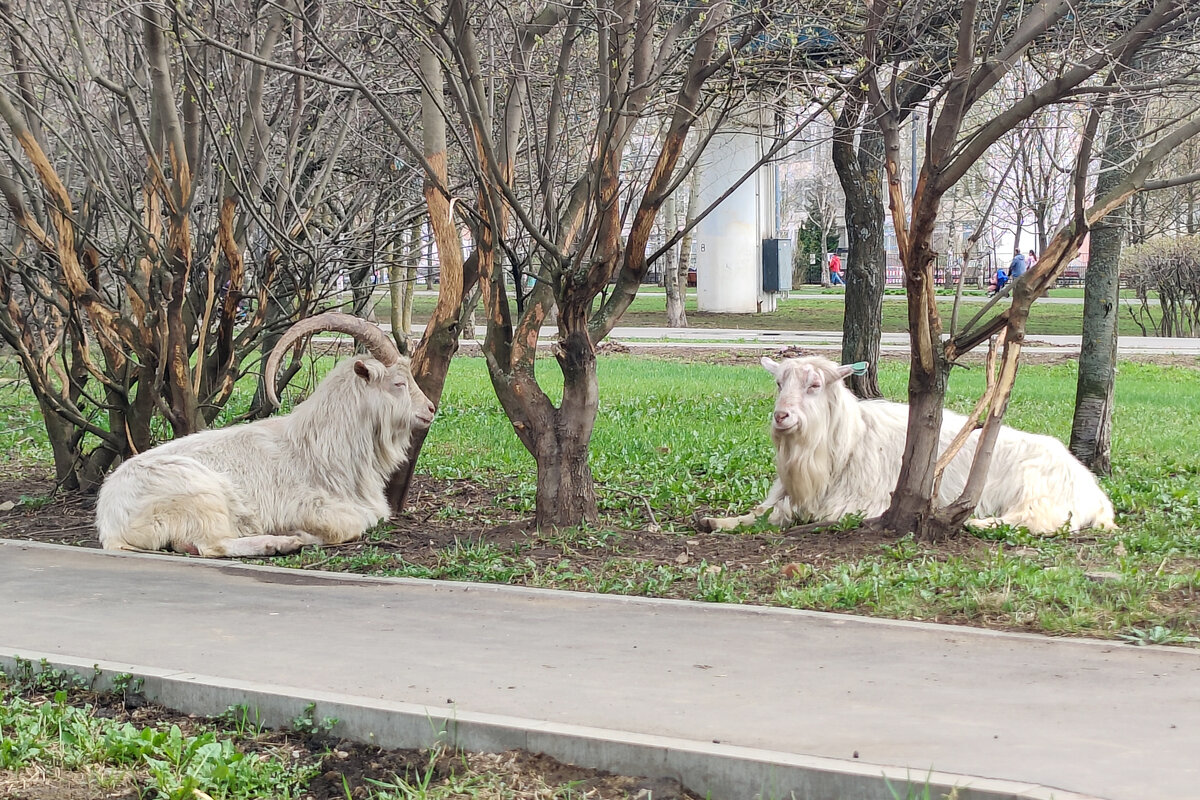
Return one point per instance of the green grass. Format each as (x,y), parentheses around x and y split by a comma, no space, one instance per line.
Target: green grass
(58,735)
(58,738)
(659,434)
(826,315)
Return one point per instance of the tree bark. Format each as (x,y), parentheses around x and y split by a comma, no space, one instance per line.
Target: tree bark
(397,291)
(677,285)
(410,274)
(431,357)
(911,510)
(566,494)
(1091,426)
(672,286)
(859,171)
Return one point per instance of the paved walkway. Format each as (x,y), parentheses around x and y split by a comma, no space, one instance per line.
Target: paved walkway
(893,342)
(889,298)
(753,338)
(1111,720)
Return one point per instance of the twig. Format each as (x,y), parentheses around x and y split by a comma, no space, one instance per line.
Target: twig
(50,531)
(645,502)
(810,527)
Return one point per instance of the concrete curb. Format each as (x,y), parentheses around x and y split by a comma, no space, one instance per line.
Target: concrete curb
(712,770)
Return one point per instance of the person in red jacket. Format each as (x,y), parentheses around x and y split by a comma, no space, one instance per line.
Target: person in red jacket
(835,270)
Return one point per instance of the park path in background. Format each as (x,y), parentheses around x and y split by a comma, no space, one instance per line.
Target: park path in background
(967,298)
(751,338)
(1100,718)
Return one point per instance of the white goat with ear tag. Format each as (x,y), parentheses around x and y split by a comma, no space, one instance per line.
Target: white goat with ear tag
(836,455)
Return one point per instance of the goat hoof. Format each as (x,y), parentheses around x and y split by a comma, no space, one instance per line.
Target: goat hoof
(282,545)
(291,544)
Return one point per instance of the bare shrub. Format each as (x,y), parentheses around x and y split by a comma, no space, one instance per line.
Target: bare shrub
(1167,268)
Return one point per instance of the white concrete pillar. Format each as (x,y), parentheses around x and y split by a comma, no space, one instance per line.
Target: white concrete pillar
(729,240)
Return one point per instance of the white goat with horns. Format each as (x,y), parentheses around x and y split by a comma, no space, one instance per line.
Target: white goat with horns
(315,476)
(835,455)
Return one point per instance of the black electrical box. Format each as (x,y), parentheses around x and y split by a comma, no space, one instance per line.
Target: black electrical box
(777,265)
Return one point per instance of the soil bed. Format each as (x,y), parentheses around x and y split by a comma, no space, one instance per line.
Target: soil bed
(444,517)
(344,769)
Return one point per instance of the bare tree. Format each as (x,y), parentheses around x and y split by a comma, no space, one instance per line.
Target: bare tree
(149,253)
(1169,269)
(638,51)
(572,145)
(989,42)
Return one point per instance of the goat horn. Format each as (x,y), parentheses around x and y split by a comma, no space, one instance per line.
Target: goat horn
(375,340)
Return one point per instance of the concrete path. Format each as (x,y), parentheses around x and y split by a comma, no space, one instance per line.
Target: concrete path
(966,298)
(887,298)
(1101,719)
(891,342)
(753,338)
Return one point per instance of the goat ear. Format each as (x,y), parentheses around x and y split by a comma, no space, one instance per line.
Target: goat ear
(771,366)
(362,370)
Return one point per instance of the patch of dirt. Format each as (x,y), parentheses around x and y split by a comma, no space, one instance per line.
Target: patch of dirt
(449,512)
(41,514)
(351,769)
(59,784)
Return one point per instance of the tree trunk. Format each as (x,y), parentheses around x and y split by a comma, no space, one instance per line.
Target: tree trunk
(911,510)
(429,262)
(431,357)
(677,286)
(566,493)
(670,273)
(860,174)
(1091,427)
(362,290)
(62,436)
(397,289)
(410,274)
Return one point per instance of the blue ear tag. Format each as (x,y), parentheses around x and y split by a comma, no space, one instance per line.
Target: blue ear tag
(859,367)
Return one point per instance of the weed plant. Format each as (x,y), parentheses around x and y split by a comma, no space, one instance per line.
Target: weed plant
(48,730)
(57,740)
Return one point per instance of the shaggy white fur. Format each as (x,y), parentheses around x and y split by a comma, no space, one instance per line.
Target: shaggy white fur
(317,475)
(836,455)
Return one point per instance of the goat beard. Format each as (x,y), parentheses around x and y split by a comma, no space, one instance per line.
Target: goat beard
(804,456)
